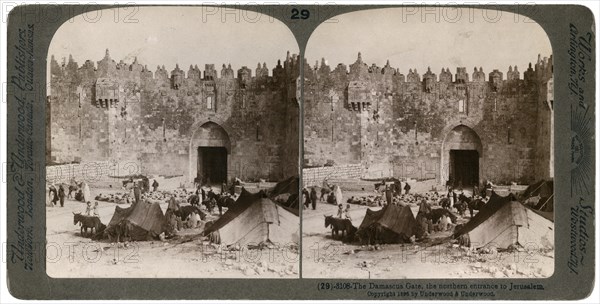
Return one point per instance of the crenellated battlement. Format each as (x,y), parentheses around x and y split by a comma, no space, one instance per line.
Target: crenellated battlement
(135,71)
(362,84)
(359,70)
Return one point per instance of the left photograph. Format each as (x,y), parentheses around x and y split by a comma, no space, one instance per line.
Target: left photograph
(172,145)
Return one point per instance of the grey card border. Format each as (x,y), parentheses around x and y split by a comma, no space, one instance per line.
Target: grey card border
(568,114)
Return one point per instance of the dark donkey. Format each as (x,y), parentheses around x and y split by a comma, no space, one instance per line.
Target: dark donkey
(86,222)
(220,200)
(224,201)
(462,205)
(211,201)
(337,225)
(475,204)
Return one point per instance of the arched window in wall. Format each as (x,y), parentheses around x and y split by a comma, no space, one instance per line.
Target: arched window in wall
(461,106)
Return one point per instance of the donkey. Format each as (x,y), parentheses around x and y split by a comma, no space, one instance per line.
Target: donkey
(92,222)
(337,225)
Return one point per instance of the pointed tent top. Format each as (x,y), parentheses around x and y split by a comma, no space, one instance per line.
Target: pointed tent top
(177,66)
(429,69)
(387,63)
(410,70)
(158,67)
(264,65)
(539,58)
(163,67)
(475,69)
(323,63)
(278,62)
(443,71)
(516,69)
(359,59)
(510,68)
(229,66)
(107,54)
(196,67)
(530,65)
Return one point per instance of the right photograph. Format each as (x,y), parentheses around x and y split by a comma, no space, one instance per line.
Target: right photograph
(428,137)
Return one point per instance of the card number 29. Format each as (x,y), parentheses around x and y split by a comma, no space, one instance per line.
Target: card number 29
(300,14)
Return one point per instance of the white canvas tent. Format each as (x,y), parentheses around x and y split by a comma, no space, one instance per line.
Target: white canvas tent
(255,220)
(503,223)
(263,221)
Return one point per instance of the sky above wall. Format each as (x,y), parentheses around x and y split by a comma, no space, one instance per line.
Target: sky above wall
(170,35)
(436,38)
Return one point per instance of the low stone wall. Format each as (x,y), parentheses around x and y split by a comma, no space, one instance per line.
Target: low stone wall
(315,176)
(91,172)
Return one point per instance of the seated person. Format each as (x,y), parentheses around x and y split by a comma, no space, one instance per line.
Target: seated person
(79,195)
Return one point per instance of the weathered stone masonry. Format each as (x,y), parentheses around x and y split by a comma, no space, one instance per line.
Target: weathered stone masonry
(122,112)
(406,125)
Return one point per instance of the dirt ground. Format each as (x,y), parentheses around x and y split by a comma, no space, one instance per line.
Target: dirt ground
(324,257)
(69,255)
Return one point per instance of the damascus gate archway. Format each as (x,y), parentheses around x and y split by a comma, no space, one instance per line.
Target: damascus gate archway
(461,157)
(210,150)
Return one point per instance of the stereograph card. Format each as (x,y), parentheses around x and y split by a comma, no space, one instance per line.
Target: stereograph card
(394,152)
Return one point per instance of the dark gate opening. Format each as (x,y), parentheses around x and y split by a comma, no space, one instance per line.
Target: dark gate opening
(212,165)
(464,168)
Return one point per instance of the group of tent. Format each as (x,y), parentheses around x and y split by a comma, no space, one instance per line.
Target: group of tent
(254,218)
(503,222)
